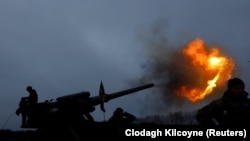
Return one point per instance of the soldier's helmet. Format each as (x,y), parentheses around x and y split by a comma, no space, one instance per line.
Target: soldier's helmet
(29,88)
(235,81)
(118,111)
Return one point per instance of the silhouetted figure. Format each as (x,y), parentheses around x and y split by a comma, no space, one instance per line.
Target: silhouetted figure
(22,109)
(33,97)
(32,103)
(121,118)
(232,108)
(27,106)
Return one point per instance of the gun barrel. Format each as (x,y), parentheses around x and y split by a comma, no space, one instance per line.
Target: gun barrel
(128,91)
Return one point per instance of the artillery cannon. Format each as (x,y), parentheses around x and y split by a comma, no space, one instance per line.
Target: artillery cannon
(68,117)
(72,109)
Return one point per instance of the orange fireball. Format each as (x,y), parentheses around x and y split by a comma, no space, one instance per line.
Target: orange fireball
(214,67)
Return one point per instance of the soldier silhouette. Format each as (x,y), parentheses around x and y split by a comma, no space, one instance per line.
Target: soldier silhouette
(23,110)
(232,108)
(33,97)
(32,102)
(121,118)
(27,105)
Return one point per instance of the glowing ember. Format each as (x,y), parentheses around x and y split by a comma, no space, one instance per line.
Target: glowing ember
(214,67)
